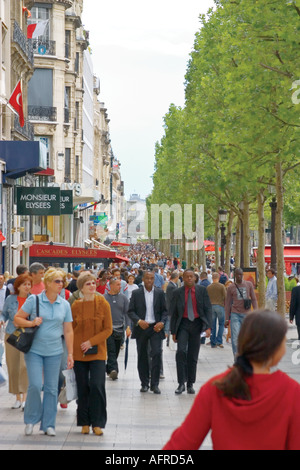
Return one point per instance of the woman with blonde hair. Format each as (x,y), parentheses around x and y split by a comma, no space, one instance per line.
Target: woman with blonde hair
(92,324)
(16,367)
(44,358)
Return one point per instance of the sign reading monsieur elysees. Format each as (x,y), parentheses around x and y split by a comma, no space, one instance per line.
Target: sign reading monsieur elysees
(43,201)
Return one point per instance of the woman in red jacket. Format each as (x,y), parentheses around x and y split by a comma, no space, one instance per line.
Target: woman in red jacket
(248,407)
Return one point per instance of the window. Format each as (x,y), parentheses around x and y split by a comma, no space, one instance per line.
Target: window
(76,120)
(67,103)
(40,13)
(47,141)
(77,63)
(67,165)
(77,169)
(40,88)
(67,44)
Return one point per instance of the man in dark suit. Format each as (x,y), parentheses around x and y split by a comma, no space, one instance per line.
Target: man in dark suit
(147,310)
(191,314)
(172,285)
(295,308)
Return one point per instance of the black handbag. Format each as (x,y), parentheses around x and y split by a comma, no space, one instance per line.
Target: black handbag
(247,302)
(92,350)
(22,338)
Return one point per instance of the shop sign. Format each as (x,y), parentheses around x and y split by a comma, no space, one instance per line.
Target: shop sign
(66,202)
(38,201)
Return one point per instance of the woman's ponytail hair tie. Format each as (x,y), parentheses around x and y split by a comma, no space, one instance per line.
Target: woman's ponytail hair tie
(242,362)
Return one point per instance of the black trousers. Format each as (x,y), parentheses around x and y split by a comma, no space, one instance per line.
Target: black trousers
(90,379)
(114,343)
(142,342)
(188,347)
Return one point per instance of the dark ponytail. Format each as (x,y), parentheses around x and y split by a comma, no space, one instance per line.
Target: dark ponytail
(261,334)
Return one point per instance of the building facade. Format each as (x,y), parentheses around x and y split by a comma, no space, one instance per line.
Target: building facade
(68,122)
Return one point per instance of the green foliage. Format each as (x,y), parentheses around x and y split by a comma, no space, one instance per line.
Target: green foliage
(239,118)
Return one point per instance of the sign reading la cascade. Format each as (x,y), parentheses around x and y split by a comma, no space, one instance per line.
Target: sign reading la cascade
(44,201)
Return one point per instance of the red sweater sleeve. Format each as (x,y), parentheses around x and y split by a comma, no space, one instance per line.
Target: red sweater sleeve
(192,432)
(293,437)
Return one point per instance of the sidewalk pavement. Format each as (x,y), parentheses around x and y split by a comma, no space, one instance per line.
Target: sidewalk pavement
(136,421)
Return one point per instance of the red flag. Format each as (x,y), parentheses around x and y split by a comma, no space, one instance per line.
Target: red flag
(16,101)
(25,10)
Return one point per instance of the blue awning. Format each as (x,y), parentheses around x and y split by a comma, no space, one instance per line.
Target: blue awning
(23,157)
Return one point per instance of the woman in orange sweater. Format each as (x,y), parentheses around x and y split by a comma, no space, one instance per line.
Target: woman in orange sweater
(92,324)
(249,407)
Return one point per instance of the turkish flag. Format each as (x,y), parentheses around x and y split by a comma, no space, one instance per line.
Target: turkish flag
(16,102)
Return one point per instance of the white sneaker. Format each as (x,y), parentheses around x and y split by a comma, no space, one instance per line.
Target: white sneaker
(23,406)
(50,432)
(28,429)
(17,405)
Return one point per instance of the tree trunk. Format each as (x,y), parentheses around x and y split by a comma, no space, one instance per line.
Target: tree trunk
(281,308)
(261,250)
(246,233)
(228,241)
(237,258)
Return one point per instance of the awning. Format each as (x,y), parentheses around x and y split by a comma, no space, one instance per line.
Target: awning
(291,253)
(48,172)
(115,243)
(22,157)
(61,253)
(121,259)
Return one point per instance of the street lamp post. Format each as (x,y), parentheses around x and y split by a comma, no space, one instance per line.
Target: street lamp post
(222,218)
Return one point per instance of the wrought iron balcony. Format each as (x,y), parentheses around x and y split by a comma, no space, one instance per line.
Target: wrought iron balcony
(26,131)
(43,46)
(20,39)
(42,113)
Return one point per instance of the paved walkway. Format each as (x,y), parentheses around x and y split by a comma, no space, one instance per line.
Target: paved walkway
(136,421)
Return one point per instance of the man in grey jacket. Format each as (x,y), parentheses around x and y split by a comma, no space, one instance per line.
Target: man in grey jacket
(119,306)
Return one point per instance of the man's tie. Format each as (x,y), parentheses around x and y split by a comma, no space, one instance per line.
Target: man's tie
(190,308)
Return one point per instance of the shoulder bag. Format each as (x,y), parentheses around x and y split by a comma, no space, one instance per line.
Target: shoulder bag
(247,302)
(22,338)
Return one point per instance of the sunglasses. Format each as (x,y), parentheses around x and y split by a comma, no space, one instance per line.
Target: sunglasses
(92,283)
(58,281)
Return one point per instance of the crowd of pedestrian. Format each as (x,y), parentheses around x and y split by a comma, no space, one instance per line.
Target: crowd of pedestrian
(84,318)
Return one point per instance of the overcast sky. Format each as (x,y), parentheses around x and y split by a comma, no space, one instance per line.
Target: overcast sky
(140,52)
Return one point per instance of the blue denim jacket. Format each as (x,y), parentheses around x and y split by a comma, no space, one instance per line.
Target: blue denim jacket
(10,308)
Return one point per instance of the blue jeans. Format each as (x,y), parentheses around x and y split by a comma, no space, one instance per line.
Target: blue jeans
(236,321)
(43,372)
(218,314)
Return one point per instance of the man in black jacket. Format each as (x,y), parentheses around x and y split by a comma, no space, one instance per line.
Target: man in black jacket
(295,308)
(147,310)
(191,314)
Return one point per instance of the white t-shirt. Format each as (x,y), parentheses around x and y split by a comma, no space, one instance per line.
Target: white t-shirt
(130,289)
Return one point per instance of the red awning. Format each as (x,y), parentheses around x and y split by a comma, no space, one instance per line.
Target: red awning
(48,172)
(115,243)
(291,253)
(67,253)
(120,259)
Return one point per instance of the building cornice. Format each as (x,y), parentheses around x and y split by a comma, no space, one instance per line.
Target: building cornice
(66,3)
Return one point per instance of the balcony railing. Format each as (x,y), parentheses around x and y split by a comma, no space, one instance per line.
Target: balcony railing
(26,131)
(42,113)
(24,43)
(43,46)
